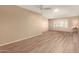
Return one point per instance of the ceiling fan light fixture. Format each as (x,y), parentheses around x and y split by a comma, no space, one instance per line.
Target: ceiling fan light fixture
(56,10)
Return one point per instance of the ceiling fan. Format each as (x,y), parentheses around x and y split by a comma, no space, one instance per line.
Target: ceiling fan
(42,9)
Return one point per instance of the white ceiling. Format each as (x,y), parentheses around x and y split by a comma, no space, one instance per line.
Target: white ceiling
(48,10)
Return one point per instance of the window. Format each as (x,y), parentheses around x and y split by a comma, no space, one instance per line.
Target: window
(61,23)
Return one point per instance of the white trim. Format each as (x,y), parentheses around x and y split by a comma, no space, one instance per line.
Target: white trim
(18,40)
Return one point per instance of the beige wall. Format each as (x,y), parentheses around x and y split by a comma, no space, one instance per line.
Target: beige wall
(17,23)
(70,20)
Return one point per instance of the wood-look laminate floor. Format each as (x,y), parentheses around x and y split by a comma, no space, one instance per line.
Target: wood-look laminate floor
(49,42)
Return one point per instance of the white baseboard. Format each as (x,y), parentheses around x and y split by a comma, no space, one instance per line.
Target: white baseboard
(62,30)
(18,40)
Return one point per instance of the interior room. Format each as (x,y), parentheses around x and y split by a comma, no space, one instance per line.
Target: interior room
(39,28)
